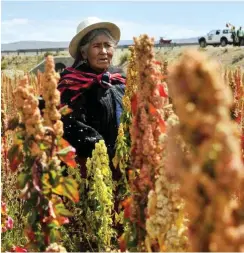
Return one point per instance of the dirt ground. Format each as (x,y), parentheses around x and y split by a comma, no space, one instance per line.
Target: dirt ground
(228,56)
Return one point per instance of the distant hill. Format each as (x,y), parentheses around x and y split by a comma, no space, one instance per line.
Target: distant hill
(126,42)
(189,40)
(13,46)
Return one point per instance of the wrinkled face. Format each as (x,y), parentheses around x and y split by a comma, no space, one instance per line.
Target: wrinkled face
(99,53)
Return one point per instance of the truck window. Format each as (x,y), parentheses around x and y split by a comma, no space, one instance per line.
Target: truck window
(212,32)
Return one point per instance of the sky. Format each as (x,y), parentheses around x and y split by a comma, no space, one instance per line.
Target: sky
(57,20)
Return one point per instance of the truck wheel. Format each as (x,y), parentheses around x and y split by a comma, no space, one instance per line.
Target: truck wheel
(223,42)
(203,43)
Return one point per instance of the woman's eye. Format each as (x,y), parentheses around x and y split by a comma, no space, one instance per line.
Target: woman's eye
(108,46)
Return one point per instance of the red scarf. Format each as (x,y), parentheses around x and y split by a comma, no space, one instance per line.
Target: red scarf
(76,80)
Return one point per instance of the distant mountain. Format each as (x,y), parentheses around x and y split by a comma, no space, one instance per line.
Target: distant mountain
(13,46)
(189,40)
(125,42)
(182,41)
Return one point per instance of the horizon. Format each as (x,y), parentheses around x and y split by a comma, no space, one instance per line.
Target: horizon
(68,41)
(173,20)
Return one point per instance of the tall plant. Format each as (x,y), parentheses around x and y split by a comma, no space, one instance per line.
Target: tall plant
(37,151)
(212,172)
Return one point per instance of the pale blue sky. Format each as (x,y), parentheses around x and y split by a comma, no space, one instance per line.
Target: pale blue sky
(57,20)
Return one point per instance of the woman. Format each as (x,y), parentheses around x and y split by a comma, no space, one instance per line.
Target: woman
(91,91)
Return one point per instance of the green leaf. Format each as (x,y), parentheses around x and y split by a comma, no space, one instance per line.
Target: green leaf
(26,208)
(22,180)
(54,235)
(61,210)
(52,225)
(31,202)
(121,153)
(132,240)
(67,187)
(53,177)
(20,136)
(32,217)
(120,165)
(46,186)
(42,146)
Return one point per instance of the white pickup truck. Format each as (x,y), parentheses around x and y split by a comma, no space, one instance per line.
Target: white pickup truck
(216,38)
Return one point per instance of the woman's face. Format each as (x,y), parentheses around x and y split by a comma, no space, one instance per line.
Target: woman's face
(99,53)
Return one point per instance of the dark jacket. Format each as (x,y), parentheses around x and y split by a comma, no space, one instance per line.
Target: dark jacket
(95,116)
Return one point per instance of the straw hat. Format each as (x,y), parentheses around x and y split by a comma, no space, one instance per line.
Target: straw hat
(88,25)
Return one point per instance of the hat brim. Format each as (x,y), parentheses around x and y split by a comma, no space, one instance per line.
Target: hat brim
(114,30)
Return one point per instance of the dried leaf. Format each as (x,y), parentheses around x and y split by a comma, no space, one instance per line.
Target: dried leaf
(15,157)
(162,125)
(157,63)
(162,91)
(18,249)
(127,207)
(152,109)
(122,243)
(13,123)
(36,179)
(134,104)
